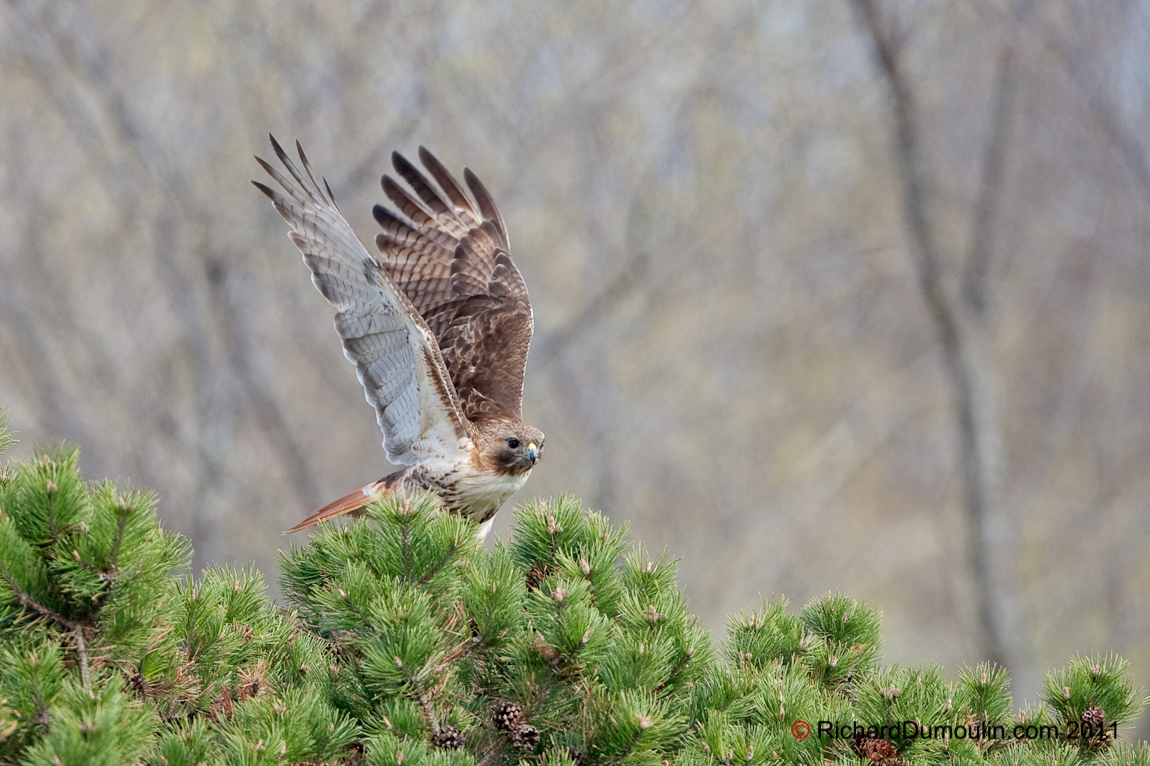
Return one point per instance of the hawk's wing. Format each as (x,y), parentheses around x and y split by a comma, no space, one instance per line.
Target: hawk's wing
(450,257)
(395,353)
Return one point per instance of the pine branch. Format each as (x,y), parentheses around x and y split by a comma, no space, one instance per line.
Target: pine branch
(444,560)
(495,751)
(423,702)
(50,489)
(26,600)
(121,524)
(405,548)
(682,663)
(644,724)
(461,650)
(82,653)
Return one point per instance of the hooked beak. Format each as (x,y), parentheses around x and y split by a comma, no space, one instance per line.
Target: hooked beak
(532,453)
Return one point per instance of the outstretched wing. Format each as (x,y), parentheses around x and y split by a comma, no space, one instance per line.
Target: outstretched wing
(448,252)
(395,353)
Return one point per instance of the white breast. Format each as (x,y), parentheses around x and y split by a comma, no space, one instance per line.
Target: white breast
(464,490)
(482,494)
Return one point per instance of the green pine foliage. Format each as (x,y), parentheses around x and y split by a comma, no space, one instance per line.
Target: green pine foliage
(403,641)
(111,654)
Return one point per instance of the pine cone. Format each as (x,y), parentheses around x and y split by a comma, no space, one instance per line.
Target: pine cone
(524,736)
(448,737)
(576,757)
(1094,718)
(138,683)
(882,753)
(535,576)
(1095,735)
(506,715)
(878,751)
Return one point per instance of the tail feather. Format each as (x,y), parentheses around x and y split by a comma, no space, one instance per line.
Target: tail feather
(350,503)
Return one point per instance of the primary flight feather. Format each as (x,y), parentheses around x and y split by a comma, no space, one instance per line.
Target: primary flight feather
(437,324)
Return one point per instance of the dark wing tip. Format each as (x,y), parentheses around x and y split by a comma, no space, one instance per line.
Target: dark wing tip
(437,168)
(400,163)
(263,164)
(406,169)
(279,150)
(483,197)
(265,189)
(381,214)
(446,181)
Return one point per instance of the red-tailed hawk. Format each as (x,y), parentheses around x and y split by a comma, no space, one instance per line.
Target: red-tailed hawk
(437,326)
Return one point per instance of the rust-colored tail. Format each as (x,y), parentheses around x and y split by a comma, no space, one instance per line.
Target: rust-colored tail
(351,502)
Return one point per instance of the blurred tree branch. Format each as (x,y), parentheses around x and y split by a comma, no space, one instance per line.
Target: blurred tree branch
(977,273)
(959,317)
(96,108)
(636,250)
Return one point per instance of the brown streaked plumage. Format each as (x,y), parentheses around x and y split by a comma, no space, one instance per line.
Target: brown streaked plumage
(438,327)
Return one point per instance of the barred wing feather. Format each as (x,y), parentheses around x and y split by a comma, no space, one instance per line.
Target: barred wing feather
(397,358)
(451,259)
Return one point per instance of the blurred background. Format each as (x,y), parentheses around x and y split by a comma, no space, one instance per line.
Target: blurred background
(830,295)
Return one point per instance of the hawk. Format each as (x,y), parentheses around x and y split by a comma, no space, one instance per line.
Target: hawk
(437,325)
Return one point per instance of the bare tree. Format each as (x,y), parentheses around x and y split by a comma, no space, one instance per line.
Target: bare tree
(961,317)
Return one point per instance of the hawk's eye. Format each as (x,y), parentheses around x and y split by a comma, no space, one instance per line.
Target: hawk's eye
(513,443)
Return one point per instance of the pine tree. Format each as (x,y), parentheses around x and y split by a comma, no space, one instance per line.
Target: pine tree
(405,642)
(111,654)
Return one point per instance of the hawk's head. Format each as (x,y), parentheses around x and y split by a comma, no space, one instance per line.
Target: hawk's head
(512,448)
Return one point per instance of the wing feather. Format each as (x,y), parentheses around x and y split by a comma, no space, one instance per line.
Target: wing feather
(451,259)
(417,263)
(487,206)
(450,186)
(444,216)
(424,220)
(397,358)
